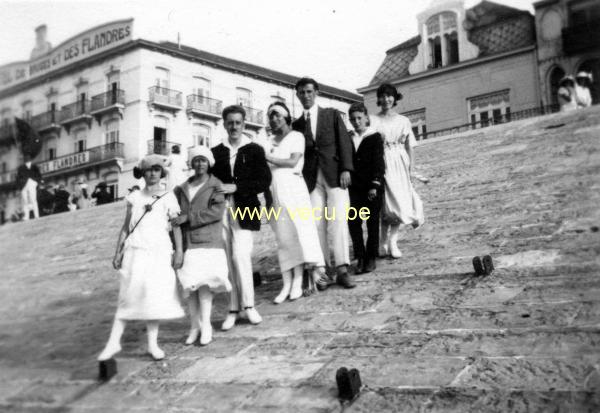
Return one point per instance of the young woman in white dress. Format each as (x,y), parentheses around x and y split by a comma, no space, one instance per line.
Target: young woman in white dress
(401,204)
(297,238)
(204,270)
(146,261)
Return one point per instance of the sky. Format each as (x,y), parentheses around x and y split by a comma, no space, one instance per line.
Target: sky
(338,42)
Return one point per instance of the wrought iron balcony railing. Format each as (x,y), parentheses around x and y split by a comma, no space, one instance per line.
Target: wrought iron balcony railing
(254,116)
(163,96)
(45,120)
(160,147)
(108,99)
(198,103)
(75,110)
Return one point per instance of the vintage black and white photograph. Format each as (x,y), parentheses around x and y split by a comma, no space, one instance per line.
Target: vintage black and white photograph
(313,206)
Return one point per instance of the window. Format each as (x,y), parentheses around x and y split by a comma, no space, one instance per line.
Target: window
(162,79)
(6,115)
(113,80)
(201,88)
(244,97)
(80,141)
(51,153)
(417,120)
(111,134)
(442,39)
(556,75)
(27,111)
(584,12)
(489,108)
(201,134)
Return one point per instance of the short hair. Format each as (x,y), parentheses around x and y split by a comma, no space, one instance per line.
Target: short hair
(175,149)
(359,107)
(234,109)
(389,90)
(303,81)
(288,118)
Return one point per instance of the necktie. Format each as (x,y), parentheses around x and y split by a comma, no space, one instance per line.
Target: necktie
(308,127)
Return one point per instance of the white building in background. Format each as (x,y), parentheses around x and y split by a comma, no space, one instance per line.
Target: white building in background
(102,100)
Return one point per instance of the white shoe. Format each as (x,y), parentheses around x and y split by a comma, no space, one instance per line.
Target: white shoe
(253,315)
(283,295)
(229,321)
(109,352)
(156,353)
(192,336)
(394,250)
(206,336)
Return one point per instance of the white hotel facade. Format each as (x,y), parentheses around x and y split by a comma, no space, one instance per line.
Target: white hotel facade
(102,100)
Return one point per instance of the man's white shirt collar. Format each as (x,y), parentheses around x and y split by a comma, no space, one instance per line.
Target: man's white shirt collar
(244,140)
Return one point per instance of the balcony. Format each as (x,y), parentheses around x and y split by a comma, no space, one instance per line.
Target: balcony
(8,180)
(74,113)
(46,122)
(160,147)
(582,38)
(6,135)
(254,118)
(205,107)
(163,98)
(98,155)
(106,103)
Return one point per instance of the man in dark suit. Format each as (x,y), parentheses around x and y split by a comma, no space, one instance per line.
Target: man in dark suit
(327,167)
(28,179)
(366,191)
(241,165)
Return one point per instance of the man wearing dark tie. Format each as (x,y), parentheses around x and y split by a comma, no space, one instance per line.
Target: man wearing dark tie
(327,167)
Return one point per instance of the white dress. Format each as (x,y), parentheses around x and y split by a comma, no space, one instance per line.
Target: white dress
(148,289)
(297,237)
(401,204)
(204,266)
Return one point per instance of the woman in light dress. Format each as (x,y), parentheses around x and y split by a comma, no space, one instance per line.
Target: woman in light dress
(566,94)
(148,285)
(401,204)
(204,270)
(297,239)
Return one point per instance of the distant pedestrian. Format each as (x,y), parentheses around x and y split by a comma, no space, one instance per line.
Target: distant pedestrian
(583,85)
(45,199)
(145,258)
(101,194)
(401,203)
(80,195)
(178,168)
(61,199)
(566,94)
(28,179)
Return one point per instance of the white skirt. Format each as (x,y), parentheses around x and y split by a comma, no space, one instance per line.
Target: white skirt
(148,289)
(204,266)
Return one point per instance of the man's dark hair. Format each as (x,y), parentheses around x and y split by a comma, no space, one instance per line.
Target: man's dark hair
(175,149)
(234,109)
(359,107)
(306,81)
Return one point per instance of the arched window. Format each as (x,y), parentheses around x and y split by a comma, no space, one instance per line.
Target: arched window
(442,39)
(111,134)
(159,143)
(201,134)
(244,97)
(555,76)
(201,88)
(80,144)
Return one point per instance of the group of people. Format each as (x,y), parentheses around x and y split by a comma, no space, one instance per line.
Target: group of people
(574,92)
(191,236)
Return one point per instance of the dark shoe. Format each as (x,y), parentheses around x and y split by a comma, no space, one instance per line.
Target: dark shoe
(369,265)
(343,279)
(359,268)
(478,266)
(322,282)
(488,265)
(348,382)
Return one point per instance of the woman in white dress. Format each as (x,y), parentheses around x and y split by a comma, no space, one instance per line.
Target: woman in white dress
(204,270)
(145,258)
(296,232)
(401,204)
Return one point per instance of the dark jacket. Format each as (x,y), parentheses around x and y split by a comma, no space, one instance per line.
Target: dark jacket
(330,151)
(369,164)
(204,228)
(102,195)
(251,175)
(24,173)
(61,200)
